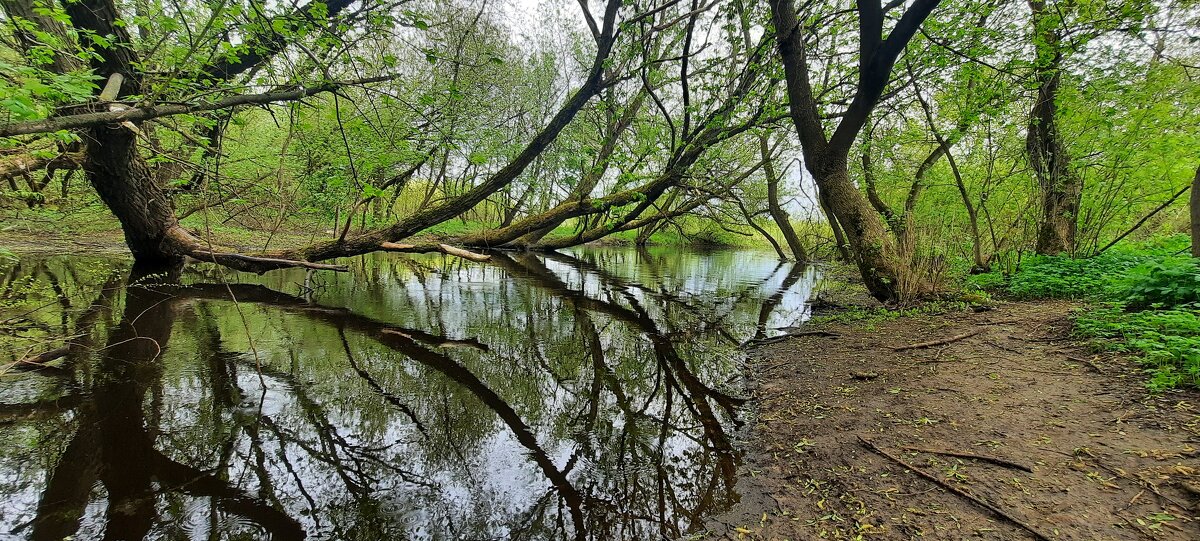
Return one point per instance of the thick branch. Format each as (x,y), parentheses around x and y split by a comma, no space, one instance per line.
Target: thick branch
(259,47)
(876,69)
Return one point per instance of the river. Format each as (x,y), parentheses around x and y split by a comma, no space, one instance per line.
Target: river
(592,394)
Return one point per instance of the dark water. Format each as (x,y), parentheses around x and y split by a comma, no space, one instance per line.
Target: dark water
(590,395)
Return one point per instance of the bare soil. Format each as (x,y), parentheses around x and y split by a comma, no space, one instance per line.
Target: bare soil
(1108,460)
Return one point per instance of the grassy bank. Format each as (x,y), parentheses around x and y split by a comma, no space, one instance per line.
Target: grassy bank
(1139,298)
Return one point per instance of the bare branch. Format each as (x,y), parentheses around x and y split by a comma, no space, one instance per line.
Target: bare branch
(138,114)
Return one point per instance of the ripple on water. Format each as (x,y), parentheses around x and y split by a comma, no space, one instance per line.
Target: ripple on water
(202,519)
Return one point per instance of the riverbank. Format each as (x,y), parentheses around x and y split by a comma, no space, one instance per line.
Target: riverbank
(1018,431)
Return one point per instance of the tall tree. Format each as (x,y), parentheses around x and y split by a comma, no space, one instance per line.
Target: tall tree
(826,156)
(1061,188)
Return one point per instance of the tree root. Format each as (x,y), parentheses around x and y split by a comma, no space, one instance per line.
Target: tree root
(932,343)
(957,491)
(994,460)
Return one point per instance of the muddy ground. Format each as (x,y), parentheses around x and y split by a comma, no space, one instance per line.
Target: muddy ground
(1072,445)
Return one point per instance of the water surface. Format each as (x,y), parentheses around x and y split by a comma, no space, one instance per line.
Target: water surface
(594,394)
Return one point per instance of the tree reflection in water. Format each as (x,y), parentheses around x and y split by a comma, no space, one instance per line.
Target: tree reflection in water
(582,396)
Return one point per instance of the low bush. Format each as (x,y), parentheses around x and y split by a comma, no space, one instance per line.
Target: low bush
(1165,284)
(1169,339)
(1061,277)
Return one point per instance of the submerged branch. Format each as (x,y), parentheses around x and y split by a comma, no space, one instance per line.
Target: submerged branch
(433,247)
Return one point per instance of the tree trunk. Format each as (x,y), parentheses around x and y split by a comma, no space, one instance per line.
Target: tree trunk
(777,213)
(766,235)
(1194,205)
(868,239)
(111,161)
(1061,189)
(825,156)
(126,185)
(62,60)
(980,265)
(839,239)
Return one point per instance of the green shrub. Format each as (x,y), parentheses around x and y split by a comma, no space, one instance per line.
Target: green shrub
(988,281)
(1062,277)
(1166,283)
(1169,340)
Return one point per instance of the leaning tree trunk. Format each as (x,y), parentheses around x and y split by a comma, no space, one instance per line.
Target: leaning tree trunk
(112,162)
(863,229)
(1061,189)
(782,220)
(126,185)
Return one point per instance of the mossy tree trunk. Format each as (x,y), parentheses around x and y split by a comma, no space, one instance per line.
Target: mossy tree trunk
(1061,189)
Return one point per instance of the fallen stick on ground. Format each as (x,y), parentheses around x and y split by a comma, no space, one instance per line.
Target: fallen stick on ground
(958,491)
(812,333)
(937,342)
(994,460)
(782,337)
(1085,362)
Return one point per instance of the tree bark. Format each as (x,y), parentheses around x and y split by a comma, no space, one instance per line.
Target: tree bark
(62,60)
(865,234)
(125,184)
(1061,189)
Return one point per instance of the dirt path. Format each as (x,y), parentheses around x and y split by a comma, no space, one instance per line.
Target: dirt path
(1107,461)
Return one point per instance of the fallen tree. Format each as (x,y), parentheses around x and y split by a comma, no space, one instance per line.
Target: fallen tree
(121,177)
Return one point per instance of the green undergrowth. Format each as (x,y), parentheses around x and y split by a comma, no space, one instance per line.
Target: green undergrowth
(1142,298)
